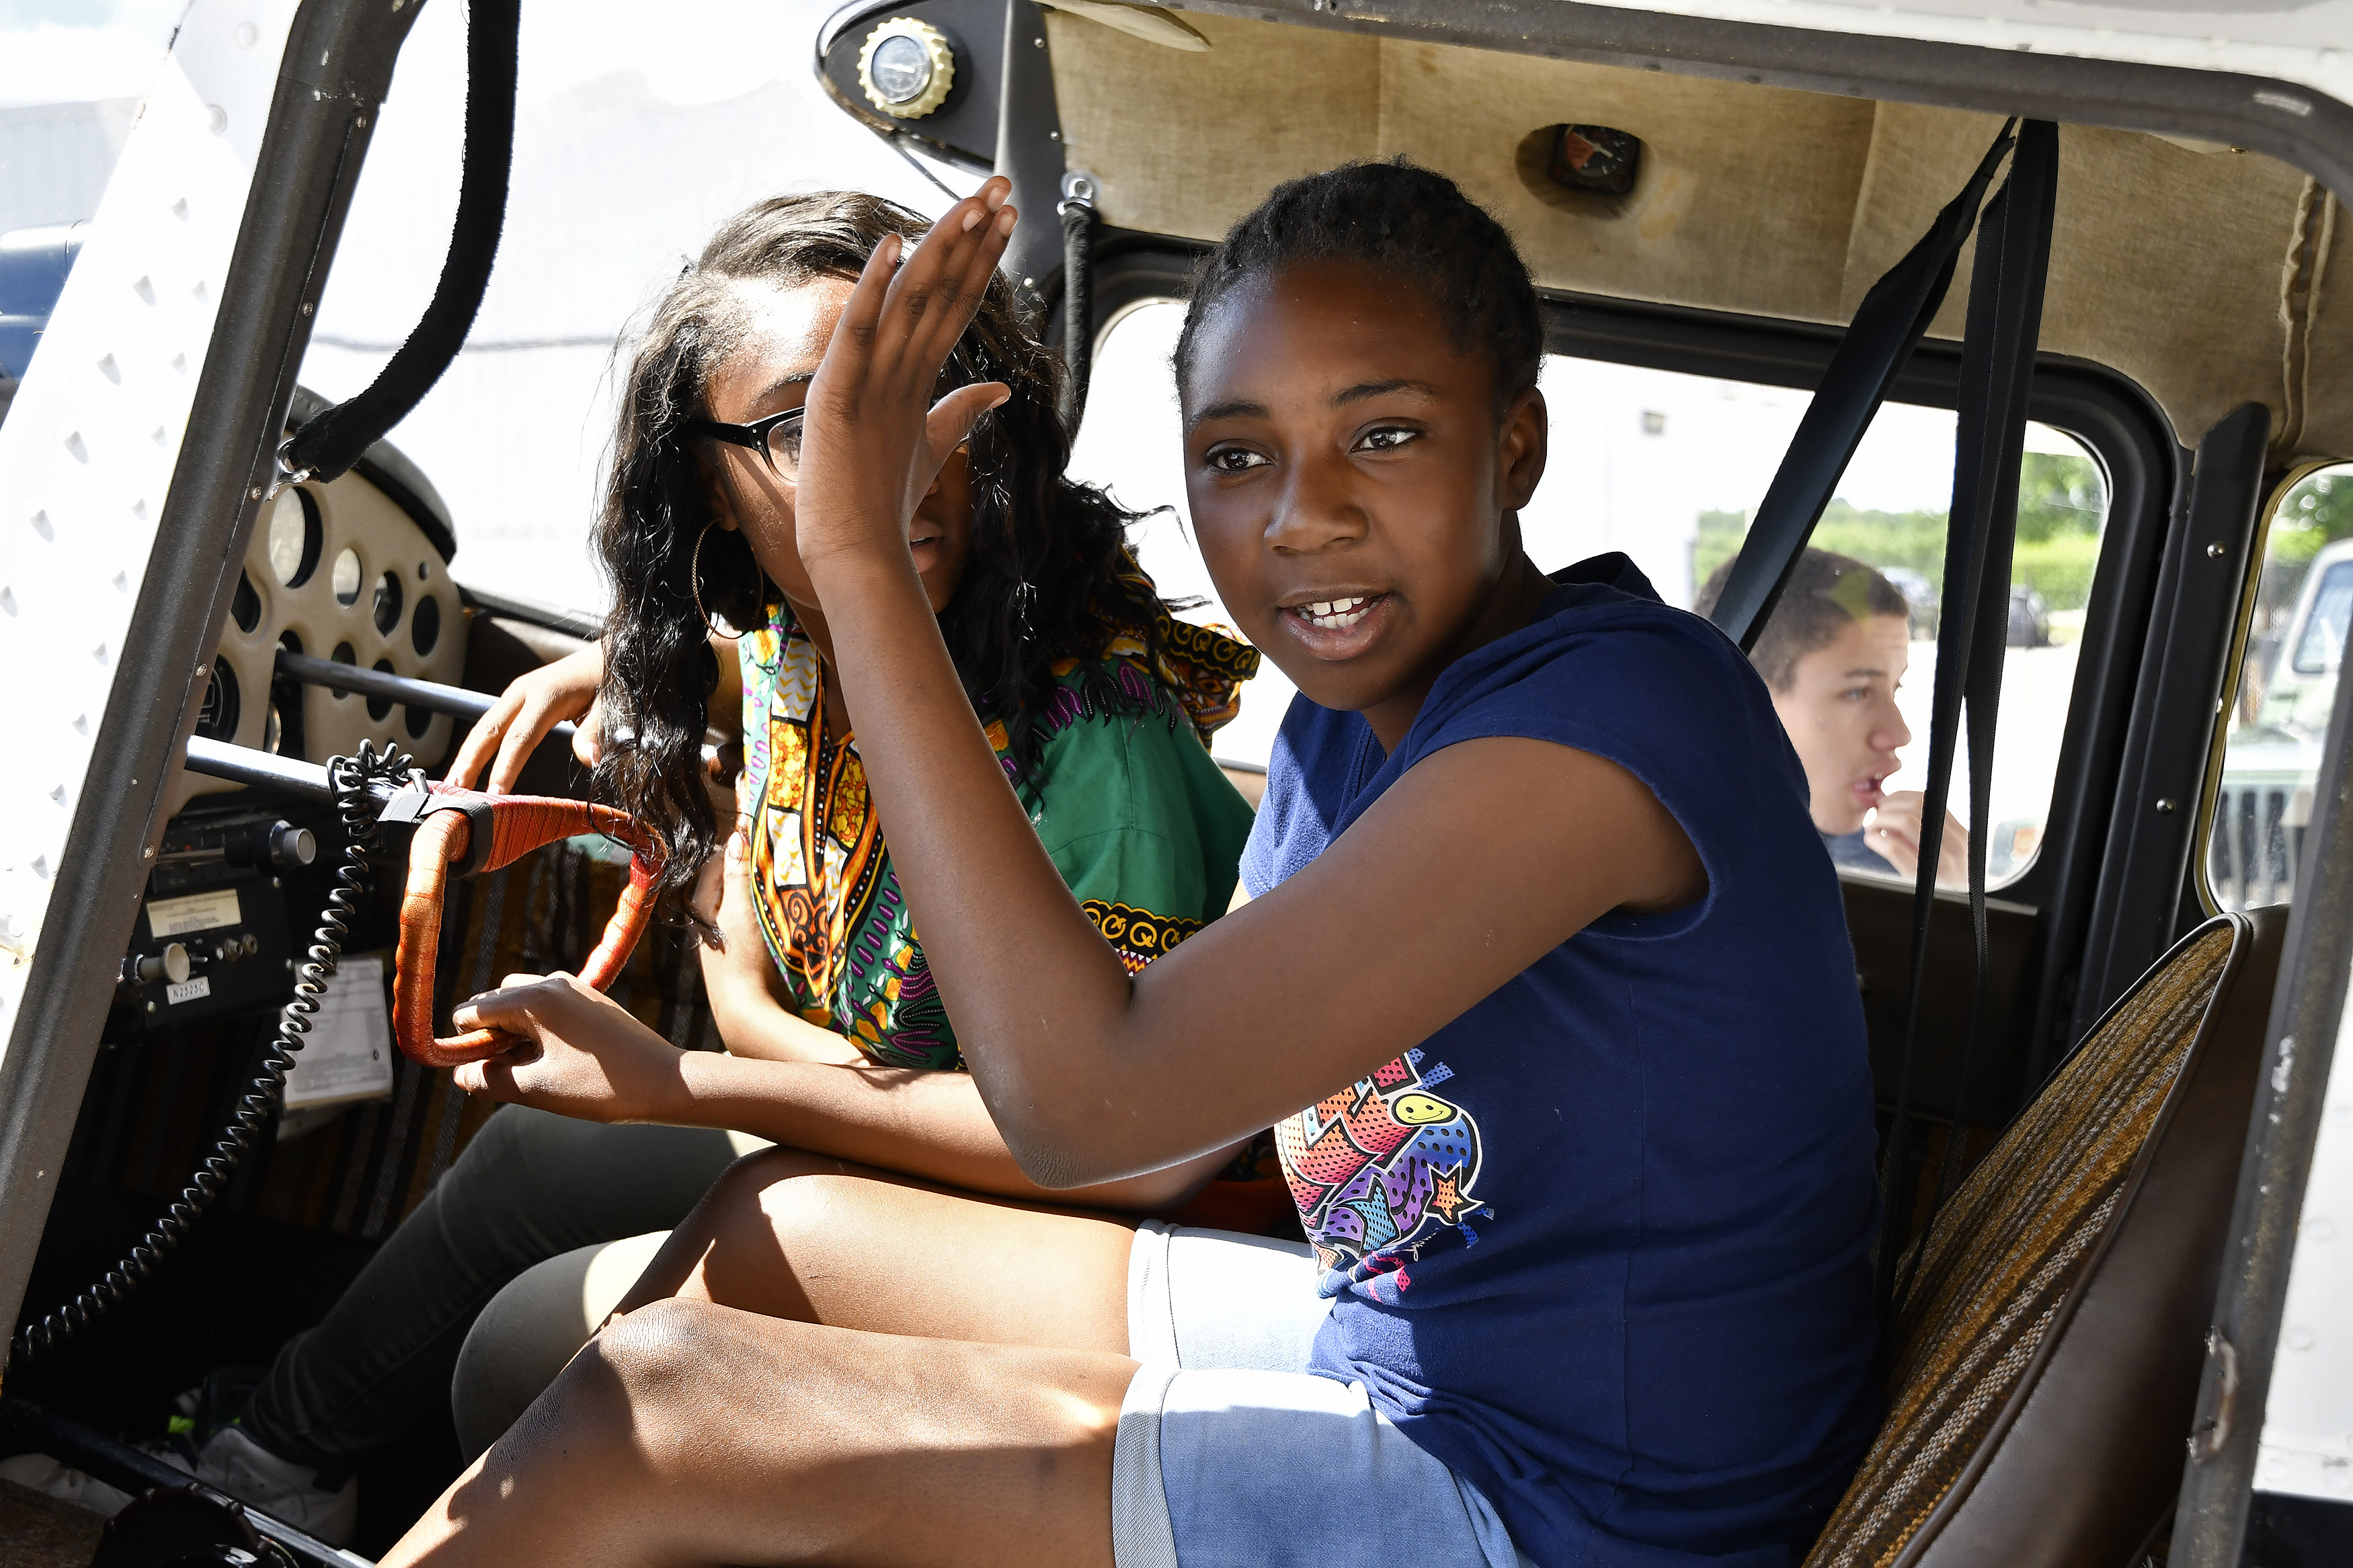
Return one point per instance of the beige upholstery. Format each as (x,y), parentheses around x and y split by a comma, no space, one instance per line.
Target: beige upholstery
(2169,263)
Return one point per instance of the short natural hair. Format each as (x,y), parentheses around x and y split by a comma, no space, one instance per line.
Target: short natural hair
(1400,218)
(1826,595)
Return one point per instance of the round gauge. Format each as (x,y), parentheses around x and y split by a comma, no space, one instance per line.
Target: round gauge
(906,67)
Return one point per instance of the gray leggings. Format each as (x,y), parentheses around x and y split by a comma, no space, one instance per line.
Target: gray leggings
(529,1186)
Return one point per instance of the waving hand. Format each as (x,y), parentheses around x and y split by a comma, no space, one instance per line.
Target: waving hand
(871,450)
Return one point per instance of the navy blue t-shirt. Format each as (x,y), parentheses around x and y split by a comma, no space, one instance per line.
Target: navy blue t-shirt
(1599,1245)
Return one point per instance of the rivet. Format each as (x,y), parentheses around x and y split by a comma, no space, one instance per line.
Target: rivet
(1037,43)
(2165,804)
(306,306)
(253,494)
(148,854)
(2214,551)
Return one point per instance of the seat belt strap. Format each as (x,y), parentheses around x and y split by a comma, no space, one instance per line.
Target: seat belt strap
(2005,320)
(1872,353)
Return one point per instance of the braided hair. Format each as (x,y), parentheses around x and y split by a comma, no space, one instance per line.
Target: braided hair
(1403,219)
(1049,578)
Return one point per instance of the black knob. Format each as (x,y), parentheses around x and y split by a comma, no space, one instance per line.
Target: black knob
(279,844)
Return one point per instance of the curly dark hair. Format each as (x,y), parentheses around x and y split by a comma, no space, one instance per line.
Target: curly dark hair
(1404,219)
(1030,523)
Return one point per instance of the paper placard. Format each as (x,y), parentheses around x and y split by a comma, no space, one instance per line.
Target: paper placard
(198,911)
(348,1053)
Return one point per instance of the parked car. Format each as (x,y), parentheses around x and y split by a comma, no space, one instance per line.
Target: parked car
(2030,618)
(1918,593)
(2269,766)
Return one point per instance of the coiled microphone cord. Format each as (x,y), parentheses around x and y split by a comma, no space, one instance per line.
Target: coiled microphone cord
(350,777)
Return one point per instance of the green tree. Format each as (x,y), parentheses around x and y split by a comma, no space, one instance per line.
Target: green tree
(2062,502)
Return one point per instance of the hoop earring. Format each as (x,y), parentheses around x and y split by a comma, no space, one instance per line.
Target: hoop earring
(694,588)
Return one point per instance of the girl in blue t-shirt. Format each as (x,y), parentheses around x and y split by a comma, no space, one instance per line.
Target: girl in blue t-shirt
(1542,940)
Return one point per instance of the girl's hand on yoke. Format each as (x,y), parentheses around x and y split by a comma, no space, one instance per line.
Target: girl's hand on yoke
(873,442)
(526,710)
(588,1057)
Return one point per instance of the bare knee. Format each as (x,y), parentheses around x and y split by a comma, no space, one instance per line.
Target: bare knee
(638,1383)
(779,1194)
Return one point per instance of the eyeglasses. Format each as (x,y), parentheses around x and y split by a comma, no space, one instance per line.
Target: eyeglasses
(777,438)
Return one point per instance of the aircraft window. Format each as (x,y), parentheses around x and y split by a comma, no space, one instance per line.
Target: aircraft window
(346,579)
(1665,466)
(2279,714)
(296,537)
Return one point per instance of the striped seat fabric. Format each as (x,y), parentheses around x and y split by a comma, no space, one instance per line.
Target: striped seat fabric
(1967,1468)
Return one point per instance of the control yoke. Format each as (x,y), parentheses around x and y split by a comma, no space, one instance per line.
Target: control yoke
(482,833)
(473,832)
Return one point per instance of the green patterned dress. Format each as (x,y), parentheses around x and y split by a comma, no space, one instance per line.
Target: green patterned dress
(1140,822)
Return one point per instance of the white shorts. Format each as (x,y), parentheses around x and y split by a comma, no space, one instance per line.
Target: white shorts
(1232,1455)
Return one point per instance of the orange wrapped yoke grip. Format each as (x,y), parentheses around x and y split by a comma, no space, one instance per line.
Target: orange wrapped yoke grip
(519,824)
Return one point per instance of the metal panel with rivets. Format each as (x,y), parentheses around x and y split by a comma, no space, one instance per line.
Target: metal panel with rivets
(91,440)
(133,462)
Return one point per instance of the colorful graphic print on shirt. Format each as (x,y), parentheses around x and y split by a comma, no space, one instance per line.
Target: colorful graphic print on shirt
(1379,1170)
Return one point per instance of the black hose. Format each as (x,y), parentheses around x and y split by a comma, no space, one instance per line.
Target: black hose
(1078,308)
(328,444)
(351,777)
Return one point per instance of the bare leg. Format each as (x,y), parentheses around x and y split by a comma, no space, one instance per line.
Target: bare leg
(857,1369)
(789,1235)
(689,1434)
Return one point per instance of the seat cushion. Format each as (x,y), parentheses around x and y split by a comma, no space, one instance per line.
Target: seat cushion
(2047,1344)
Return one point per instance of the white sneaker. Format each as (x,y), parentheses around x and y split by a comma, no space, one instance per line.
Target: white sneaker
(279,1487)
(38,1472)
(229,1462)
